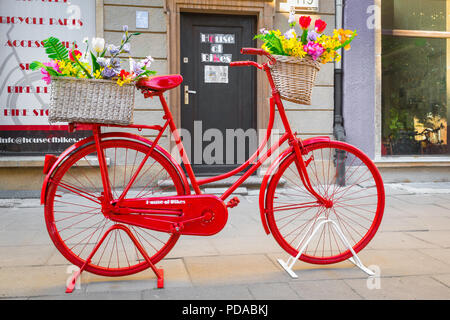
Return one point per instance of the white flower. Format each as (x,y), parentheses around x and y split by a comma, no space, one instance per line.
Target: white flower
(98,44)
(85,40)
(290,34)
(291,17)
(136,67)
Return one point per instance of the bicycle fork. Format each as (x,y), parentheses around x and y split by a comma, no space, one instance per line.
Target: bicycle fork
(296,144)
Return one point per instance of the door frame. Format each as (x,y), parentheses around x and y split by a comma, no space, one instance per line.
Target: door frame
(263,10)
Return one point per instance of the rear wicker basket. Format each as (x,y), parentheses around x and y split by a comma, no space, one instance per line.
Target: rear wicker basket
(295,77)
(91,101)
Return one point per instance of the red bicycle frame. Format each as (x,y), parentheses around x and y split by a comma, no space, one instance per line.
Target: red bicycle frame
(275,101)
(206,214)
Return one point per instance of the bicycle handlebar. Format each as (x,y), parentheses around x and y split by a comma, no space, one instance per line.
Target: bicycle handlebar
(259,52)
(245,63)
(255,51)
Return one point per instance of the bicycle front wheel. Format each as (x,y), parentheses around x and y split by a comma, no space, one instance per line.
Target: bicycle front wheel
(351,183)
(73,211)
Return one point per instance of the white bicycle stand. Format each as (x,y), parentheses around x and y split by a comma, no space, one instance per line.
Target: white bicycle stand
(292,260)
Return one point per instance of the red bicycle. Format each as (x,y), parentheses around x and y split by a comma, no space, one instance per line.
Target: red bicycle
(118,181)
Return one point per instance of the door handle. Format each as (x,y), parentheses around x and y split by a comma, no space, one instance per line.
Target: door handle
(186,94)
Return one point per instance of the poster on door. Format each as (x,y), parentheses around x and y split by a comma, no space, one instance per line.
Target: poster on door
(24,96)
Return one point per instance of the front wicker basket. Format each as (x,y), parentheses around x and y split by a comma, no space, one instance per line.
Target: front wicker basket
(91,101)
(295,77)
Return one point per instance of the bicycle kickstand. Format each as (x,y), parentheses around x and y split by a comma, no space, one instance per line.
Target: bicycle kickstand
(158,272)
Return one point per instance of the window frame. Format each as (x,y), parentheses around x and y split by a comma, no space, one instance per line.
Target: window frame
(400,160)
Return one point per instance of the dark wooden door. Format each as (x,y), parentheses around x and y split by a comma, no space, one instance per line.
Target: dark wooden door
(220,99)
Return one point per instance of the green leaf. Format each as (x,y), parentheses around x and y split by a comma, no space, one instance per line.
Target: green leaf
(305,37)
(52,71)
(55,49)
(88,75)
(95,65)
(36,65)
(274,45)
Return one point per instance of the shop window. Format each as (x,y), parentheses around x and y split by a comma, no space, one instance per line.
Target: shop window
(415,77)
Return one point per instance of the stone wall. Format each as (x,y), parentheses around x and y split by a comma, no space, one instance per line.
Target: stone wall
(152,41)
(316,119)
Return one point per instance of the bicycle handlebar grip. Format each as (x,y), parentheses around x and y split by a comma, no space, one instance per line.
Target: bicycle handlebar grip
(239,63)
(253,51)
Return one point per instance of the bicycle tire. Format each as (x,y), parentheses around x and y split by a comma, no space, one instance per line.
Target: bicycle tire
(292,213)
(64,209)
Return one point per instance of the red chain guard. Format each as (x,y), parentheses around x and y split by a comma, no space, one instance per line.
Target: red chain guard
(197,215)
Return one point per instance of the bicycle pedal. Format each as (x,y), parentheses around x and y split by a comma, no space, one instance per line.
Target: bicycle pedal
(233,202)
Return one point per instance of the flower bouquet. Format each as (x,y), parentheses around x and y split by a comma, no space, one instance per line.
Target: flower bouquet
(299,55)
(92,87)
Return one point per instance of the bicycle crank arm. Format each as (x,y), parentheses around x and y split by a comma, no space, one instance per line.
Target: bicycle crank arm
(198,215)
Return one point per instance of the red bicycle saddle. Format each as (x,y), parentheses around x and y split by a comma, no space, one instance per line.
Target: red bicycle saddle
(160,83)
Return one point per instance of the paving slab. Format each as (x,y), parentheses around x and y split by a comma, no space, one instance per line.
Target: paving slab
(438,254)
(431,188)
(273,291)
(175,275)
(325,290)
(19,256)
(443,278)
(193,247)
(403,262)
(431,223)
(230,292)
(34,281)
(439,238)
(411,251)
(404,288)
(399,240)
(233,269)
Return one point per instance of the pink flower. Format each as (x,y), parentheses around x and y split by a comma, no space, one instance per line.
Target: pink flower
(315,50)
(46,76)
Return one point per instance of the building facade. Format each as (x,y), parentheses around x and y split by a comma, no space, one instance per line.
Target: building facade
(371,95)
(396,86)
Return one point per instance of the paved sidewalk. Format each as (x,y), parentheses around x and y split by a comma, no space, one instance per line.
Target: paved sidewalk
(411,250)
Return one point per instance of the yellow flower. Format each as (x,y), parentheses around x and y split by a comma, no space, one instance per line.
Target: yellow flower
(98,74)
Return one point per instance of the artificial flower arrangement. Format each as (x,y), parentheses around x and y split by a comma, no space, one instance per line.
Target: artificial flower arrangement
(311,42)
(92,64)
(299,56)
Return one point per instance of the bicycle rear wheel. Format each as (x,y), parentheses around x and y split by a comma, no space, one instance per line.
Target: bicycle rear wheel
(341,174)
(73,210)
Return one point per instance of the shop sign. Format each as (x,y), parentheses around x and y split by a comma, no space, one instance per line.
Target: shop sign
(217,38)
(301,5)
(216,58)
(24,96)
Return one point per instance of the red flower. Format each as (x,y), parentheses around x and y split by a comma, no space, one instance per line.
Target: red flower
(77,54)
(320,25)
(124,74)
(305,21)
